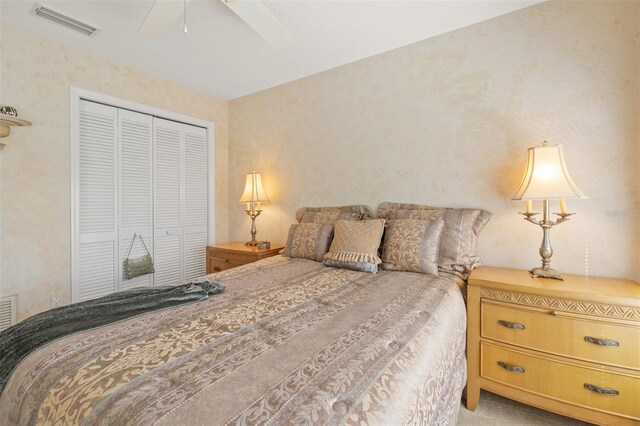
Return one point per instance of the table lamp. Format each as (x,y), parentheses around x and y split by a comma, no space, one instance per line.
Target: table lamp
(546,178)
(252,196)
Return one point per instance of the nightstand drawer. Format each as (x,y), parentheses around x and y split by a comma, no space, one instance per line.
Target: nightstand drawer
(219,265)
(227,257)
(590,387)
(582,337)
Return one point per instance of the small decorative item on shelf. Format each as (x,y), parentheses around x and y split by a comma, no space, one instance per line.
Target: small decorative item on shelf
(253,196)
(9,117)
(546,178)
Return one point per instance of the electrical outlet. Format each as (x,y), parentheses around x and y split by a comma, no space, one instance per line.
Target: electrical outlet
(55,300)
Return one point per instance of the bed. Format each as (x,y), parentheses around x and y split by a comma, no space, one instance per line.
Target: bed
(290,341)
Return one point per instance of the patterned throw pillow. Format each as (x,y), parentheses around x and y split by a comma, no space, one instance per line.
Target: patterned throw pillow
(458,250)
(412,245)
(333,214)
(308,241)
(355,245)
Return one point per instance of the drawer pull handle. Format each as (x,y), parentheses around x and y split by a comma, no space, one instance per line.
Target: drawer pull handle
(601,391)
(512,325)
(601,342)
(512,368)
(554,313)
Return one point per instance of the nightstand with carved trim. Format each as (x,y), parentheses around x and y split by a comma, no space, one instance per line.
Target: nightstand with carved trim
(571,347)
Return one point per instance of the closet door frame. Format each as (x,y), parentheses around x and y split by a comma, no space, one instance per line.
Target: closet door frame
(75,96)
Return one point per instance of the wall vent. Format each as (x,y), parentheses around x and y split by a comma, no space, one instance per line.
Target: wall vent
(8,310)
(63,20)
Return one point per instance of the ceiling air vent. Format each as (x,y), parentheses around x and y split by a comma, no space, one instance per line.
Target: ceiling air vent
(63,20)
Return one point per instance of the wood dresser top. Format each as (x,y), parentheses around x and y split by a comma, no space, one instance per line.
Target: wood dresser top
(577,287)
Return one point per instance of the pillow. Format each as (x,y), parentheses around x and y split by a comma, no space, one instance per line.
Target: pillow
(355,245)
(386,207)
(308,241)
(418,214)
(332,214)
(458,249)
(412,245)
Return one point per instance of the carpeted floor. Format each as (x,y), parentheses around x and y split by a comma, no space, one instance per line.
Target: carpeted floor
(495,410)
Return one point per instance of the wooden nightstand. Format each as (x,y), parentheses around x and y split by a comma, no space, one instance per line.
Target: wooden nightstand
(571,347)
(229,255)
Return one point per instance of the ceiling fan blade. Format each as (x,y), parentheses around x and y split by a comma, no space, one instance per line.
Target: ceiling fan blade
(262,21)
(163,14)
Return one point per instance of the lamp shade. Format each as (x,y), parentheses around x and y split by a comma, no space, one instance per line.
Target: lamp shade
(253,190)
(546,176)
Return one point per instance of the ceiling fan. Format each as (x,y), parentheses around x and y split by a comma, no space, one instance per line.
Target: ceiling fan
(164,13)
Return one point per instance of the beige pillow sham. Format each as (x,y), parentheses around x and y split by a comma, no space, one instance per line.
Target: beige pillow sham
(333,214)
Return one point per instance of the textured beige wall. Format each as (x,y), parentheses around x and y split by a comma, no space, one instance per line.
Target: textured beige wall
(447,122)
(36,75)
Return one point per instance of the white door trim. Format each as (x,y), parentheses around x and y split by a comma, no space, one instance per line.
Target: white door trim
(77,94)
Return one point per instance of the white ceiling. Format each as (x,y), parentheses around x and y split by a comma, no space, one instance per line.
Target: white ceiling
(222,56)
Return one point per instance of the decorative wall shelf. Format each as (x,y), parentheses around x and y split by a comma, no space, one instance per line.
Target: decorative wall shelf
(8,120)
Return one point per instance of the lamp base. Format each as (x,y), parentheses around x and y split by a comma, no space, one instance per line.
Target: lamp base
(251,243)
(546,273)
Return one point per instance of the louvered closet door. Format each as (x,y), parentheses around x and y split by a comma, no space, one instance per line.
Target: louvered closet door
(168,178)
(195,203)
(97,268)
(136,190)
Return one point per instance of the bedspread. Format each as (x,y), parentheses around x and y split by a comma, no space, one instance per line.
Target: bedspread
(291,341)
